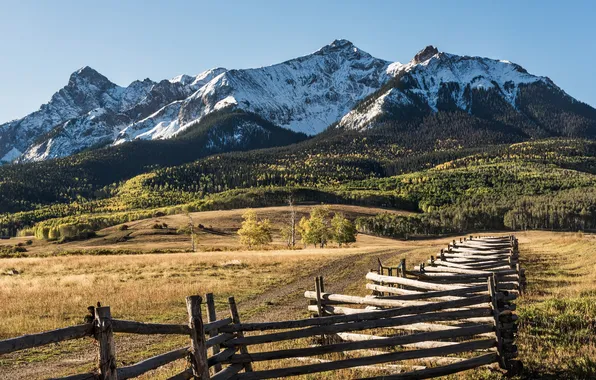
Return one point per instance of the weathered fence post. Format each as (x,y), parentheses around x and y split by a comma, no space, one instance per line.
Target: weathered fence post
(319,290)
(381,272)
(107,348)
(212,317)
(198,348)
(236,319)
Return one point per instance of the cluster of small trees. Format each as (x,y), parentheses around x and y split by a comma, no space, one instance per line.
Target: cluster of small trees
(317,229)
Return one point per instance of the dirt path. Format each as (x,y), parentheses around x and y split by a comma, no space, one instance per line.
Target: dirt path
(288,300)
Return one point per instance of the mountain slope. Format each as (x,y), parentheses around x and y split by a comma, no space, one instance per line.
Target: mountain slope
(84,175)
(490,91)
(86,90)
(90,111)
(305,94)
(338,85)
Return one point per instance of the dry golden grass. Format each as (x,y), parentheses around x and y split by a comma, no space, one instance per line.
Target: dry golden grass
(556,338)
(57,290)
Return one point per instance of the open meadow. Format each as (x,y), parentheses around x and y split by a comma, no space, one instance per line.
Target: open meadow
(54,286)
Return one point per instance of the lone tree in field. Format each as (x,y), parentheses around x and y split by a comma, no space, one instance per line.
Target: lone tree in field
(315,230)
(254,232)
(288,232)
(344,231)
(193,235)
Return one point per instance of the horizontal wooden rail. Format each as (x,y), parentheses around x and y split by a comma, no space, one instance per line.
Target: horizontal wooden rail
(133,327)
(41,339)
(330,320)
(464,277)
(215,325)
(353,337)
(368,360)
(151,363)
(343,310)
(373,343)
(452,264)
(184,375)
(340,310)
(81,331)
(431,294)
(355,326)
(218,339)
(442,370)
(410,282)
(344,299)
(80,376)
(228,372)
(446,269)
(221,356)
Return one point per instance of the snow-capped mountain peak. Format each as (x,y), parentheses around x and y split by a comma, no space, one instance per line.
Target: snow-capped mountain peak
(340,46)
(304,94)
(425,54)
(88,74)
(433,78)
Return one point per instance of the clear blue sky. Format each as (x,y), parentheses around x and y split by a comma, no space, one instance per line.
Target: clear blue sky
(42,42)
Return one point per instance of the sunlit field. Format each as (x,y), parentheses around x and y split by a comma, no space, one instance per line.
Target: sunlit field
(557,314)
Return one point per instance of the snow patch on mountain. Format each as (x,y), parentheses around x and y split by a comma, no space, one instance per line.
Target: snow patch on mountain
(159,125)
(12,155)
(305,94)
(475,73)
(362,118)
(218,139)
(97,128)
(432,73)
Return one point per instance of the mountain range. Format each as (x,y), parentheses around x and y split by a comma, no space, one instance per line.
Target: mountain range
(339,87)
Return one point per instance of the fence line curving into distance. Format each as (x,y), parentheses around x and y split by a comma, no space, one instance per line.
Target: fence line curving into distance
(411,326)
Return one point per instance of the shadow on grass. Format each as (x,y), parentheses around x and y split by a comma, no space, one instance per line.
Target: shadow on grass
(578,368)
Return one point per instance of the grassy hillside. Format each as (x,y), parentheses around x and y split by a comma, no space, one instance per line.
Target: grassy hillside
(94,174)
(545,184)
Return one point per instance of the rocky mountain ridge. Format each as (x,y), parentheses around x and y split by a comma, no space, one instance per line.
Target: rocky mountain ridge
(338,85)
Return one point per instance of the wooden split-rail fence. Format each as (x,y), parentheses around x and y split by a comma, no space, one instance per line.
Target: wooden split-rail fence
(458,303)
(419,318)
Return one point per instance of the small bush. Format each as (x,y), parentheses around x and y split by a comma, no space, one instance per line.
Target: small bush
(157,226)
(123,227)
(29,242)
(184,230)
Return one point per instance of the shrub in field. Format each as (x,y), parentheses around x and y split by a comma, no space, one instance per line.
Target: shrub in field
(254,232)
